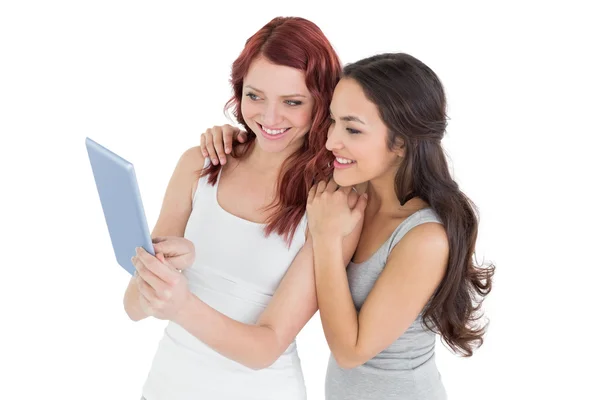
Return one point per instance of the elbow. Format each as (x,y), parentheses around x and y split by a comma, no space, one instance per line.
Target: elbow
(259,364)
(268,349)
(266,355)
(263,361)
(348,359)
(346,363)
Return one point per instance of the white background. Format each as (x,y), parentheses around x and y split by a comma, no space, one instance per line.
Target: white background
(145,78)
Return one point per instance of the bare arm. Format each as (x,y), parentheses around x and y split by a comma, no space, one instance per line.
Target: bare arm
(257,345)
(174,214)
(293,304)
(254,345)
(414,269)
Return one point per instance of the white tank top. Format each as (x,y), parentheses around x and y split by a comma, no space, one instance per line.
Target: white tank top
(237,271)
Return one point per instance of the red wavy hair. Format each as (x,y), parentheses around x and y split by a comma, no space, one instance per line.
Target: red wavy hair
(298,43)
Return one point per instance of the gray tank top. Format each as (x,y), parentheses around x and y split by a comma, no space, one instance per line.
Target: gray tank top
(404,370)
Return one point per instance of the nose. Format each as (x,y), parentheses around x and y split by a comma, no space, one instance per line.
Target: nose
(272,117)
(334,139)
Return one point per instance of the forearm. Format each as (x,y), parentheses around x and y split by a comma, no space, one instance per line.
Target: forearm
(131,302)
(337,310)
(254,346)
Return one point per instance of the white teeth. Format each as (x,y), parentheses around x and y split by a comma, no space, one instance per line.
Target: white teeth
(274,131)
(344,160)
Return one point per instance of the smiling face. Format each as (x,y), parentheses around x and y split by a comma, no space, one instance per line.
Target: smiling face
(276,105)
(358,137)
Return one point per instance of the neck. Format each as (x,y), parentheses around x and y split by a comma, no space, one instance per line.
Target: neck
(383,199)
(268,163)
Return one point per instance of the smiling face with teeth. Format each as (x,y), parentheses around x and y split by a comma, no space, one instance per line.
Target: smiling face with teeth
(277,106)
(358,138)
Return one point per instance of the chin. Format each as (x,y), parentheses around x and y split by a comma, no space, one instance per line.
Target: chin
(271,147)
(278,146)
(344,178)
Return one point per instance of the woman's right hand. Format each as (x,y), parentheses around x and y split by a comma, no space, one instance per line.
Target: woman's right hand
(178,252)
(217,142)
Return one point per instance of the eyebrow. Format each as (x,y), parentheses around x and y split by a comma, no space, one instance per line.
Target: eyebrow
(287,95)
(350,118)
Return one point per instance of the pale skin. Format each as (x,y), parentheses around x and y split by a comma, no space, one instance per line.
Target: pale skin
(416,264)
(160,290)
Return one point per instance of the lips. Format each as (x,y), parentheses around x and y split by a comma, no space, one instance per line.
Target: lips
(273,131)
(342,162)
(272,134)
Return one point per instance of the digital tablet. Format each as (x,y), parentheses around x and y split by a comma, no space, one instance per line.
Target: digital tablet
(121,203)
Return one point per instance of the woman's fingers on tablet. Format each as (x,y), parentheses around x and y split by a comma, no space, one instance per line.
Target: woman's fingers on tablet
(166,274)
(153,302)
(156,274)
(145,304)
(145,275)
(145,289)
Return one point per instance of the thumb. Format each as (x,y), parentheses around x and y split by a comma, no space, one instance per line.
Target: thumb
(161,258)
(166,247)
(173,247)
(241,136)
(359,209)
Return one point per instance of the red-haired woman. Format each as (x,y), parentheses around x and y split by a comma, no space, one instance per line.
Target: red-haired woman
(234,313)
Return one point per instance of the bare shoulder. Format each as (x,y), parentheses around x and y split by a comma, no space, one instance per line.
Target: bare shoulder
(430,236)
(191,160)
(177,202)
(426,245)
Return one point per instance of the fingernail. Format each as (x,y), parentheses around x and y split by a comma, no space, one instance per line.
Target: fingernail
(227,149)
(223,160)
(215,161)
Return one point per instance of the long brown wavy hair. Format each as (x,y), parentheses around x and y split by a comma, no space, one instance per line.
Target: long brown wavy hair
(298,43)
(412,104)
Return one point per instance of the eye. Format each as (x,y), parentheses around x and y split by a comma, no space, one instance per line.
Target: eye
(293,103)
(352,131)
(252,96)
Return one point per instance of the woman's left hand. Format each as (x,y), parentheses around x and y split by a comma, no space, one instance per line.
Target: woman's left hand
(163,289)
(330,211)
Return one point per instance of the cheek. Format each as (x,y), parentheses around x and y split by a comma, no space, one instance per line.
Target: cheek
(249,109)
(301,118)
(373,160)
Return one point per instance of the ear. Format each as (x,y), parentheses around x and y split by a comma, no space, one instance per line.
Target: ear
(399,147)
